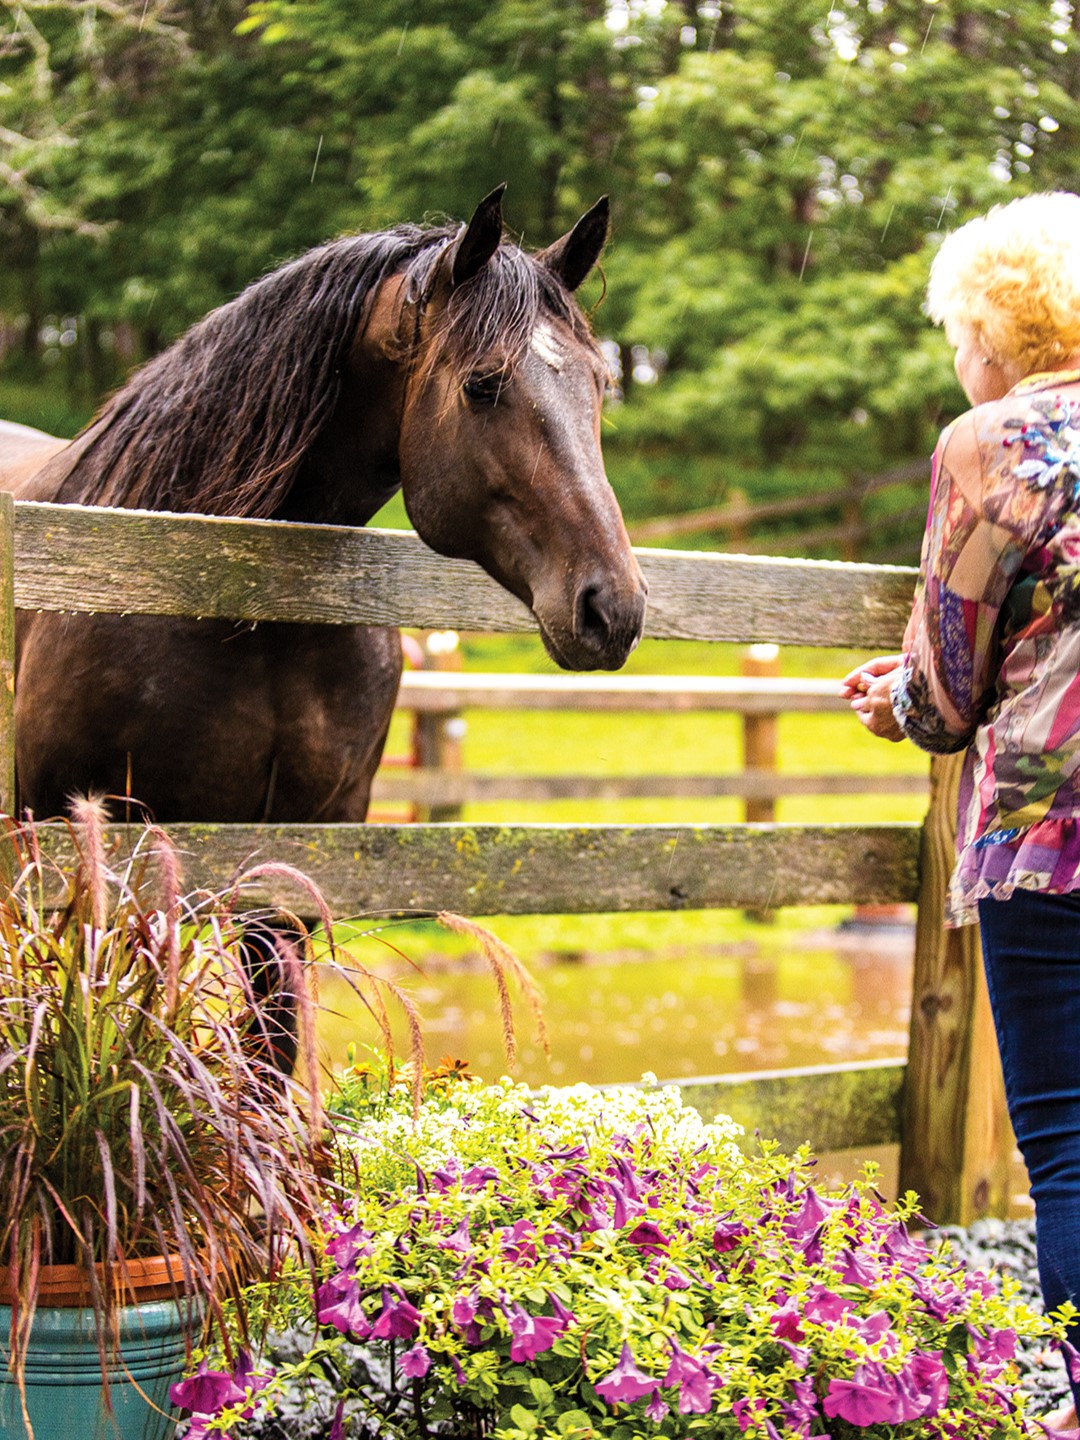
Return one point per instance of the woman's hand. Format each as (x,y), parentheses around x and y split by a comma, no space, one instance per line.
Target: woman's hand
(869,688)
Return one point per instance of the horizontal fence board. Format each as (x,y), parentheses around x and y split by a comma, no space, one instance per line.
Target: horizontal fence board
(116,561)
(435,691)
(429,786)
(833,1107)
(560,869)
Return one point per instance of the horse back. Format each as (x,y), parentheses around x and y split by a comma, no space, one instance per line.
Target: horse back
(24,452)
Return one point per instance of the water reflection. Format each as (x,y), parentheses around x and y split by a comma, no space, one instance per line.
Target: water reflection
(797,999)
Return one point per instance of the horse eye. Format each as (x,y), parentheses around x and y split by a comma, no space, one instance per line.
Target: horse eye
(483,389)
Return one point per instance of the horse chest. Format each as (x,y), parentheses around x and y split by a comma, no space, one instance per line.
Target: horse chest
(204,721)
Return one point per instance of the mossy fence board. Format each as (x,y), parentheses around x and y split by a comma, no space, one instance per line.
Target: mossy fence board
(70,558)
(560,869)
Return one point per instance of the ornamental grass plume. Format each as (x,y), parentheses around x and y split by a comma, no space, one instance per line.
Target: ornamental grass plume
(582,1264)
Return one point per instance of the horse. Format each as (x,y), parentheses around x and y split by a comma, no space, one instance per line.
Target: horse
(442,360)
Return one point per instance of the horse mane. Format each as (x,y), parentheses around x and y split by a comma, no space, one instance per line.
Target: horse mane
(221,422)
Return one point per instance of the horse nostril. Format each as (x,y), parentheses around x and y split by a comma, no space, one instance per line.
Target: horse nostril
(592,621)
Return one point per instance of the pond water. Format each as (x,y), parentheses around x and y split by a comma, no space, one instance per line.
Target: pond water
(820,996)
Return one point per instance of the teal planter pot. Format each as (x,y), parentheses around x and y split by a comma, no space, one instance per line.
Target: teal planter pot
(63,1376)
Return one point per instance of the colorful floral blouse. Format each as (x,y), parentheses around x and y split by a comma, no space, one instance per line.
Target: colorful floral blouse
(992,649)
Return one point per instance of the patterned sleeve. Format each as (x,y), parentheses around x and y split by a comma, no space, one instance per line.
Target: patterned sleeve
(978,531)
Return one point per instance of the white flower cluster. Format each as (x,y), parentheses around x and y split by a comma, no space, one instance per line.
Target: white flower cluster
(466,1124)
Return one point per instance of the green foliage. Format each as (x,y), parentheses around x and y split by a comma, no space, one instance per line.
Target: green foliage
(571,1262)
(780,176)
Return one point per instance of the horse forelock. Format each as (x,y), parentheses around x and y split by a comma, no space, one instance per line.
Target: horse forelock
(222,421)
(489,323)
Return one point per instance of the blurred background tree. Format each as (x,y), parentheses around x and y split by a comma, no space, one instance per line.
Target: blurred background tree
(780,175)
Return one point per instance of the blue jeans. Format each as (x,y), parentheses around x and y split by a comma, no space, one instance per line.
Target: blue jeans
(1031,948)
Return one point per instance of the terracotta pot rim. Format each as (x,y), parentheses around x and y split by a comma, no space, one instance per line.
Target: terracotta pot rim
(144,1278)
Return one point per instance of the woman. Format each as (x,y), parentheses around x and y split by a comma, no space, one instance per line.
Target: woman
(991,665)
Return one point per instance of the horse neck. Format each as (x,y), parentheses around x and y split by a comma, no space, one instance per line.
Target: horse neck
(353,468)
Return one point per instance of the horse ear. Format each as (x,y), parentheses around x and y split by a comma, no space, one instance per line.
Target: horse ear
(576,253)
(481,238)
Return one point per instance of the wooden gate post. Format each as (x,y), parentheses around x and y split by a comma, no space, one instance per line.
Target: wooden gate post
(439,734)
(7,654)
(956,1140)
(760,743)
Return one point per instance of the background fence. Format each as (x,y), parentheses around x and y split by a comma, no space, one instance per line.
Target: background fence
(944,1105)
(841,518)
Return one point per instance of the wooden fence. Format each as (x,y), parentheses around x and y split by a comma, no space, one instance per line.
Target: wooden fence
(439,785)
(943,1105)
(751,528)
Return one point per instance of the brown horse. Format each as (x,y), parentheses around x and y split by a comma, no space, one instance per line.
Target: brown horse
(440,360)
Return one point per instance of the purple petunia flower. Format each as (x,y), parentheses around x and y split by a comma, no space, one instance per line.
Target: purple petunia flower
(626,1382)
(858,1267)
(875,1329)
(786,1321)
(656,1409)
(810,1216)
(477,1176)
(746,1411)
(924,1383)
(399,1319)
(942,1298)
(870,1397)
(519,1241)
(415,1363)
(825,1307)
(727,1235)
(874,1396)
(533,1334)
(344,1248)
(338,1303)
(899,1245)
(337,1430)
(696,1393)
(460,1240)
(674,1279)
(206,1392)
(801,1410)
(648,1237)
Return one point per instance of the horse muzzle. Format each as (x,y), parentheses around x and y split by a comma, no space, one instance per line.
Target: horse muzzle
(598,625)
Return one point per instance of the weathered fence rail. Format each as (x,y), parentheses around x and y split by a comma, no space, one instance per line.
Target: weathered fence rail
(954,1150)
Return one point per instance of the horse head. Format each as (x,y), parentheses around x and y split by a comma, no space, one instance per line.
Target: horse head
(499,444)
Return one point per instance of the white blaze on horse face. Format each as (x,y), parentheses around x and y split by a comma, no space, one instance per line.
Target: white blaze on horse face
(545,344)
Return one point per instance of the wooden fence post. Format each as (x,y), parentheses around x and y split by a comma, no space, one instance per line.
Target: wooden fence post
(956,1140)
(851,520)
(7,654)
(760,736)
(439,733)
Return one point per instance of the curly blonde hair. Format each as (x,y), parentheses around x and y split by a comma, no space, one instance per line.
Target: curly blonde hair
(1012,279)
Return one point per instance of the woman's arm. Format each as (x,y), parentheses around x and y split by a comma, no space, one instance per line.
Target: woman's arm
(979,529)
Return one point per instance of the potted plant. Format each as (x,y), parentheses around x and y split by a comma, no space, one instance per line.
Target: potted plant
(153,1160)
(574,1264)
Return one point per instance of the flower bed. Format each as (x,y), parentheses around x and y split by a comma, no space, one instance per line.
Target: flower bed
(579,1264)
